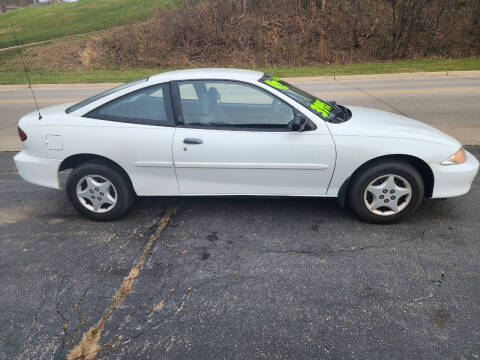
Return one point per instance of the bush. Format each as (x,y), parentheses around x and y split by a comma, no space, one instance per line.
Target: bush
(279,32)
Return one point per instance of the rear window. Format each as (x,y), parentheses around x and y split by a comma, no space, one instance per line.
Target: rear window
(103,94)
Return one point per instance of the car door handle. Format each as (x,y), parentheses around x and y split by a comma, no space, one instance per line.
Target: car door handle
(192,141)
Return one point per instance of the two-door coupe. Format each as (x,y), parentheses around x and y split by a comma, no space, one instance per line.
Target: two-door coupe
(237,132)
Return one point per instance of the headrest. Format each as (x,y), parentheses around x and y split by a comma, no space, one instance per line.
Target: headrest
(213,95)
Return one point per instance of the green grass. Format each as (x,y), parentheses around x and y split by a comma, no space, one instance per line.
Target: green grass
(400,66)
(98,76)
(38,23)
(73,77)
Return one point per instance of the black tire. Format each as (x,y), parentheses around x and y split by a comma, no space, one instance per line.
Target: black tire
(360,181)
(125,195)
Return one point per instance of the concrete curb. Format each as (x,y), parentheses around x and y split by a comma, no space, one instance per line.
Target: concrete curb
(292,79)
(384,76)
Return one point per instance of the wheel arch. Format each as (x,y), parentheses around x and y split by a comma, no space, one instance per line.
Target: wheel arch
(421,166)
(76,160)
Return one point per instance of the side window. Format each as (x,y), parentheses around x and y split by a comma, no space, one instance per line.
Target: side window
(187,92)
(192,108)
(151,106)
(232,104)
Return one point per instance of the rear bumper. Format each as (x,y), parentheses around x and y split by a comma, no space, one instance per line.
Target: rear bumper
(454,180)
(37,170)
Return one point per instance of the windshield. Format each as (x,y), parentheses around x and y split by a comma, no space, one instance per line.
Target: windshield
(329,111)
(102,94)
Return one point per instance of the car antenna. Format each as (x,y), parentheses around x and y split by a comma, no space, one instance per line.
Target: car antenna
(25,69)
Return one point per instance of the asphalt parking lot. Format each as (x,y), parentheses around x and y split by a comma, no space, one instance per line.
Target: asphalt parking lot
(236,278)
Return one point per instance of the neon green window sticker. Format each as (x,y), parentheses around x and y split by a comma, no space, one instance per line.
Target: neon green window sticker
(274,82)
(321,107)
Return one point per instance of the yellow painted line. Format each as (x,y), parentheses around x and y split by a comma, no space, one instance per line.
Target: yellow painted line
(22,101)
(399,92)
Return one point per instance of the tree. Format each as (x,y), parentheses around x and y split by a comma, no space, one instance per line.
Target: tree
(244,6)
(405,17)
(3,6)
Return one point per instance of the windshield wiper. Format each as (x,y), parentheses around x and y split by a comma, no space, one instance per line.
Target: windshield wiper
(338,108)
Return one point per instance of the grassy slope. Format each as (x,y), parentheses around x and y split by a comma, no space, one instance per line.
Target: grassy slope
(42,77)
(39,23)
(399,66)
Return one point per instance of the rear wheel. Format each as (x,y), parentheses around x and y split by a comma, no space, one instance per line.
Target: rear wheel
(386,192)
(99,191)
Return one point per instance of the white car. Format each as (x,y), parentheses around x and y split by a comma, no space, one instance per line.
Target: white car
(237,132)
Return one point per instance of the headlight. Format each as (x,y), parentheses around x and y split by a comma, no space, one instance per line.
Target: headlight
(457,158)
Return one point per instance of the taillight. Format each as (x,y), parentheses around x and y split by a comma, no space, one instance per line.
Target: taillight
(22,134)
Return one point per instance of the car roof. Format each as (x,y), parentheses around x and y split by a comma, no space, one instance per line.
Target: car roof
(207,73)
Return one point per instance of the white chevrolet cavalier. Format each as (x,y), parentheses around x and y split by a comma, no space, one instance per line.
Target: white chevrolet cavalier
(236,132)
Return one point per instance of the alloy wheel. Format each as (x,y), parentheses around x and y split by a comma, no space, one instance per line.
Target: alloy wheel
(96,193)
(388,195)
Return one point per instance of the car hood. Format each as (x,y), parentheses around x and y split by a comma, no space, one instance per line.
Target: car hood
(375,123)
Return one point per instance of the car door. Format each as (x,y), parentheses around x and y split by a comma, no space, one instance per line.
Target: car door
(136,131)
(234,138)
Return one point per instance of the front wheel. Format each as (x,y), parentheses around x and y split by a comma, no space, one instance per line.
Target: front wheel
(386,192)
(99,191)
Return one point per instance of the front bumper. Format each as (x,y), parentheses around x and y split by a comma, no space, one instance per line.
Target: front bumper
(454,180)
(39,171)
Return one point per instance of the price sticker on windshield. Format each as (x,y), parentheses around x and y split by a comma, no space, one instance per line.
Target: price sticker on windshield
(321,107)
(275,82)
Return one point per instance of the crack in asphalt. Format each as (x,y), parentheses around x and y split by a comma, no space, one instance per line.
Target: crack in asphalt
(426,278)
(122,247)
(113,344)
(81,319)
(45,296)
(113,236)
(64,320)
(76,308)
(88,346)
(334,251)
(155,294)
(178,307)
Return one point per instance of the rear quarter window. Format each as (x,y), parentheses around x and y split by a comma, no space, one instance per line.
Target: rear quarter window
(102,95)
(149,106)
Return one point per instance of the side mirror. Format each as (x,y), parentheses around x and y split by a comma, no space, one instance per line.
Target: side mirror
(299,123)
